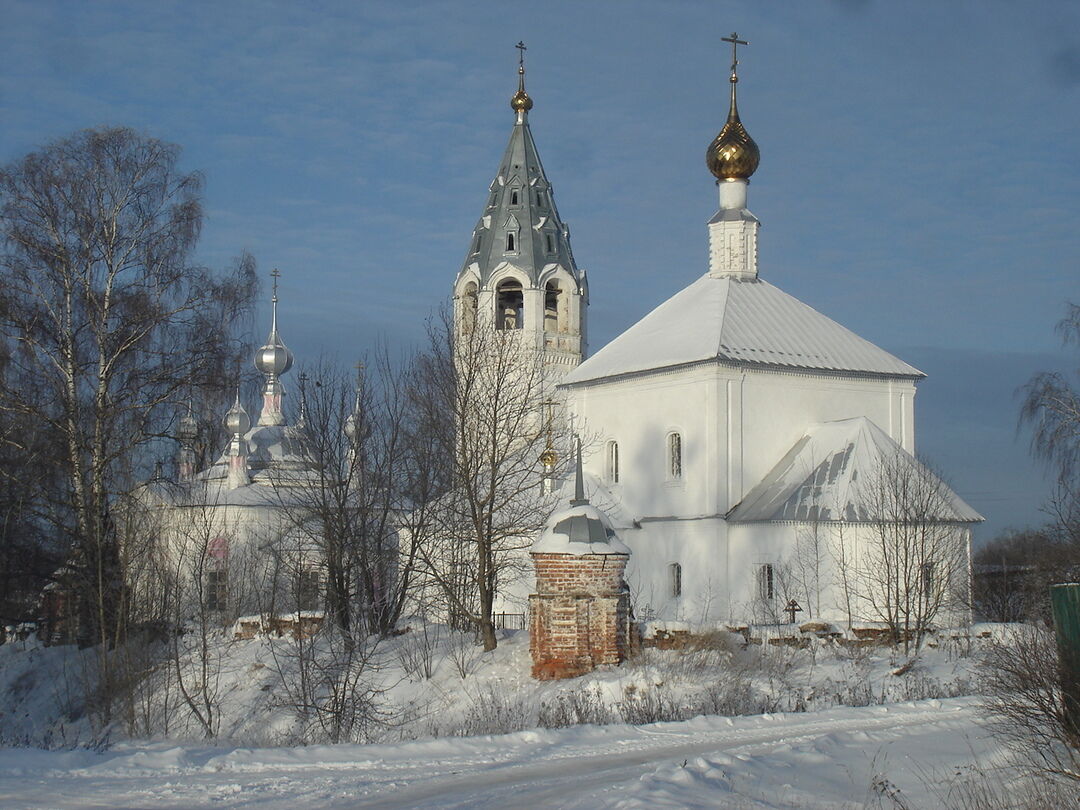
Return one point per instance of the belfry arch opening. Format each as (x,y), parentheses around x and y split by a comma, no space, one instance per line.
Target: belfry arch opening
(556,308)
(509,305)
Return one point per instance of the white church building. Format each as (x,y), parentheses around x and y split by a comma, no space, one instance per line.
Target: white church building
(738,440)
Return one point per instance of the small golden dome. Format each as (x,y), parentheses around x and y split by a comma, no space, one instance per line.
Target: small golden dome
(548,458)
(733,153)
(521,101)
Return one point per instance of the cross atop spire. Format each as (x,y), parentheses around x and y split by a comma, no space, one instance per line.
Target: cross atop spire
(275,274)
(735,43)
(521,101)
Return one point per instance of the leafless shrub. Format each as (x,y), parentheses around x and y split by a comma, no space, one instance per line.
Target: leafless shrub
(574,708)
(1024,701)
(493,711)
(416,653)
(654,704)
(463,652)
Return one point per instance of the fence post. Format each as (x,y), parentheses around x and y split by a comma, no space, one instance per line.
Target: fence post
(1065,603)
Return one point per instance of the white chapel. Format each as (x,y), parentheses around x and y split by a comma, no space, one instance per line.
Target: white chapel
(737,439)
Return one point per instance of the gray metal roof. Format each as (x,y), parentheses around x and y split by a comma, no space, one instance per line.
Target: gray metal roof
(521,200)
(835,473)
(741,321)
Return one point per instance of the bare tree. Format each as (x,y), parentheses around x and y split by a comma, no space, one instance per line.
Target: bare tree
(914,563)
(364,501)
(101,307)
(1051,409)
(484,388)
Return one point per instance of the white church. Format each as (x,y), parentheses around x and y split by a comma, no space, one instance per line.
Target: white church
(738,440)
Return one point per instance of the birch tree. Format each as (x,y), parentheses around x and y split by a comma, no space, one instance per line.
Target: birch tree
(103,310)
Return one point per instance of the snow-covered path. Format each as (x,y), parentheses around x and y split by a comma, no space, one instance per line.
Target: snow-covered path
(822,759)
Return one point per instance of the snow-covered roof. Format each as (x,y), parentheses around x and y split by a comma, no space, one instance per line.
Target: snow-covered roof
(833,473)
(579,527)
(741,321)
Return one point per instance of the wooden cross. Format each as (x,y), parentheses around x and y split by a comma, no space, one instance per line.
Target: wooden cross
(735,43)
(791,609)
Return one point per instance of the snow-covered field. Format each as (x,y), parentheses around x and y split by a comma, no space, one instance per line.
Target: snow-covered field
(910,737)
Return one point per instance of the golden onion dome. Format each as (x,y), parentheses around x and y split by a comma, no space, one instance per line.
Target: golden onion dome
(548,458)
(521,101)
(733,153)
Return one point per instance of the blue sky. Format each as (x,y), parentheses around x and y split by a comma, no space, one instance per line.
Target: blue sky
(918,181)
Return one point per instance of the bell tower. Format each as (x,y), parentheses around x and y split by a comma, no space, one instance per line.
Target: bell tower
(519,272)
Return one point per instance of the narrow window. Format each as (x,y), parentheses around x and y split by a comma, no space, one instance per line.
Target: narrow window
(468,308)
(675,575)
(307,590)
(217,590)
(510,242)
(550,243)
(539,198)
(674,456)
(926,571)
(613,462)
(514,197)
(765,581)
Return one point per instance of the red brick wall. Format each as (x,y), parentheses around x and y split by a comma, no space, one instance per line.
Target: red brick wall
(580,614)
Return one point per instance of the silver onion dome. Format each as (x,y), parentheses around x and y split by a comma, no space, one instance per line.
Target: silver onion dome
(237,421)
(274,358)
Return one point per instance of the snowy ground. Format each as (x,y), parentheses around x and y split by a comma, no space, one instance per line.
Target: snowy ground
(850,757)
(842,728)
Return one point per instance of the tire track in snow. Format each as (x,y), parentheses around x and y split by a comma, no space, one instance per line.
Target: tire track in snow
(573,772)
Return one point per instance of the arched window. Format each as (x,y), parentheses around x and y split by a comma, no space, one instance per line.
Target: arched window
(509,305)
(613,462)
(549,242)
(552,293)
(515,197)
(511,241)
(674,454)
(675,579)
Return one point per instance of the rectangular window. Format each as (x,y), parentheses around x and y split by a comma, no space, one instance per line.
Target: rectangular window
(307,590)
(765,581)
(675,572)
(217,590)
(926,572)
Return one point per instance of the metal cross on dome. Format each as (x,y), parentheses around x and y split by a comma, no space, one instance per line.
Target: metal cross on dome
(521,52)
(735,43)
(275,274)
